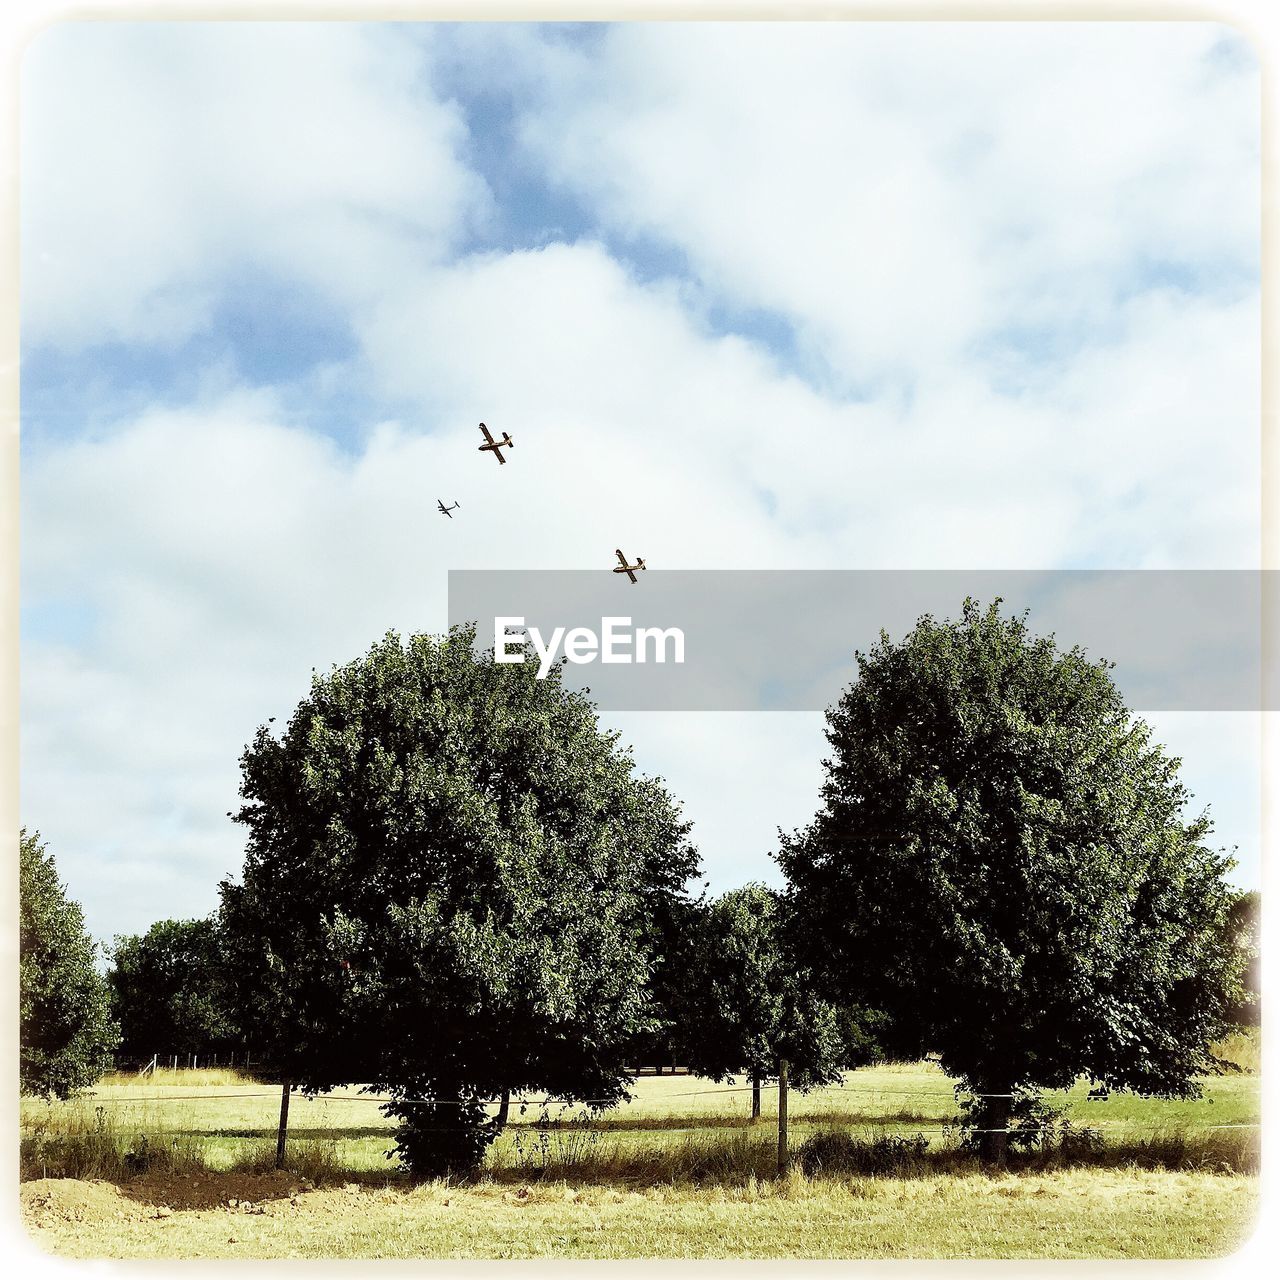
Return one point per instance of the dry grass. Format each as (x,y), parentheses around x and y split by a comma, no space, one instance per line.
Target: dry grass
(74,1145)
(1121,1213)
(183,1078)
(680,1171)
(1243,1048)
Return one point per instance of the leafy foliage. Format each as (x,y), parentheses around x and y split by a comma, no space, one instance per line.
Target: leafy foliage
(1001,862)
(744,1003)
(168,989)
(449,886)
(66,1031)
(1244,930)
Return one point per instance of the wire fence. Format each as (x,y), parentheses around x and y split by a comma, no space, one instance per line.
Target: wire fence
(919,1124)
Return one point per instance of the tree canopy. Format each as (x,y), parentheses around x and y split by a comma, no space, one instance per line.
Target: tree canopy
(169,991)
(1244,930)
(1002,861)
(449,888)
(66,1034)
(743,1001)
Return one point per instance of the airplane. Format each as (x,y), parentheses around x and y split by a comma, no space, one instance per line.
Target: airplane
(495,445)
(447,511)
(628,569)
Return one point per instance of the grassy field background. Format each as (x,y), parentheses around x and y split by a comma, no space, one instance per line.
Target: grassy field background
(680,1171)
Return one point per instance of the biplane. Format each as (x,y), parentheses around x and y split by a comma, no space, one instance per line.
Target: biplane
(628,569)
(447,511)
(495,446)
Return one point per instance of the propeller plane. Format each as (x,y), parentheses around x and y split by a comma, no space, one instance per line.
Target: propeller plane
(447,511)
(495,446)
(628,569)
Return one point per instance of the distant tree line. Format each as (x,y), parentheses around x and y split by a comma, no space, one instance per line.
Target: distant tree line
(457,888)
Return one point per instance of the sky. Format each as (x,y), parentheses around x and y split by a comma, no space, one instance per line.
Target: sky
(766,296)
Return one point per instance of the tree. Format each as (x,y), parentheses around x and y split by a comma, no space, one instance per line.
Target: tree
(1001,862)
(448,890)
(66,1032)
(168,990)
(744,1004)
(1244,931)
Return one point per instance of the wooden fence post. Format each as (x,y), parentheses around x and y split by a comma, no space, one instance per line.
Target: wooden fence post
(284,1123)
(784,1160)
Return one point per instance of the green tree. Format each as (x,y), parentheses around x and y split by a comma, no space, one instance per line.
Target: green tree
(1002,863)
(168,990)
(66,1034)
(1244,931)
(448,890)
(743,1003)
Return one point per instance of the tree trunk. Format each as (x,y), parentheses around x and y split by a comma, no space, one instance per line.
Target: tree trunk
(282,1131)
(755,1095)
(504,1110)
(994,1147)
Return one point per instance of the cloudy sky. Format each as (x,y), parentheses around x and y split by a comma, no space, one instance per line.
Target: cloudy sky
(830,296)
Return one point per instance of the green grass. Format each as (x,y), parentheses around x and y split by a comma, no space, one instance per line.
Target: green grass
(679,1171)
(230,1122)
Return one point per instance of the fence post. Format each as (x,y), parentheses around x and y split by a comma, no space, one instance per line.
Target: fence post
(284,1122)
(784,1160)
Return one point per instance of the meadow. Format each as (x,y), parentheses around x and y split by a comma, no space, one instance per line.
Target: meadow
(181,1166)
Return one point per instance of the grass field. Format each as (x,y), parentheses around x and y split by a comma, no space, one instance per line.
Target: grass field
(680,1171)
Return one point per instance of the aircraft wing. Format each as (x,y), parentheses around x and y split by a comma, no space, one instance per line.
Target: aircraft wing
(485,430)
(622,560)
(497,453)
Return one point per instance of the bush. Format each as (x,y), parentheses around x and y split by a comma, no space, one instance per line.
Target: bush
(439,1140)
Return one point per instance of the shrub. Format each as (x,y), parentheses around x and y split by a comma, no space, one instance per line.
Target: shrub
(439,1141)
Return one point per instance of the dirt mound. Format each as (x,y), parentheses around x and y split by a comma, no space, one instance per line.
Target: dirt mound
(213,1190)
(51,1201)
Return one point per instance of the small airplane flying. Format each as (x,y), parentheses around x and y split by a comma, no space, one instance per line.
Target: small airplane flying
(495,446)
(628,569)
(447,511)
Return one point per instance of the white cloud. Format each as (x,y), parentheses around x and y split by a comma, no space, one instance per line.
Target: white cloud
(896,200)
(159,157)
(900,191)
(1139,454)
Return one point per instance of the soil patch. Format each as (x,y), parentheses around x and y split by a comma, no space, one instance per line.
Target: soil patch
(49,1202)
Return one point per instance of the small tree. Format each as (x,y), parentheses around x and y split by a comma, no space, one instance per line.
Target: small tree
(447,894)
(1001,861)
(168,989)
(744,1004)
(66,1033)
